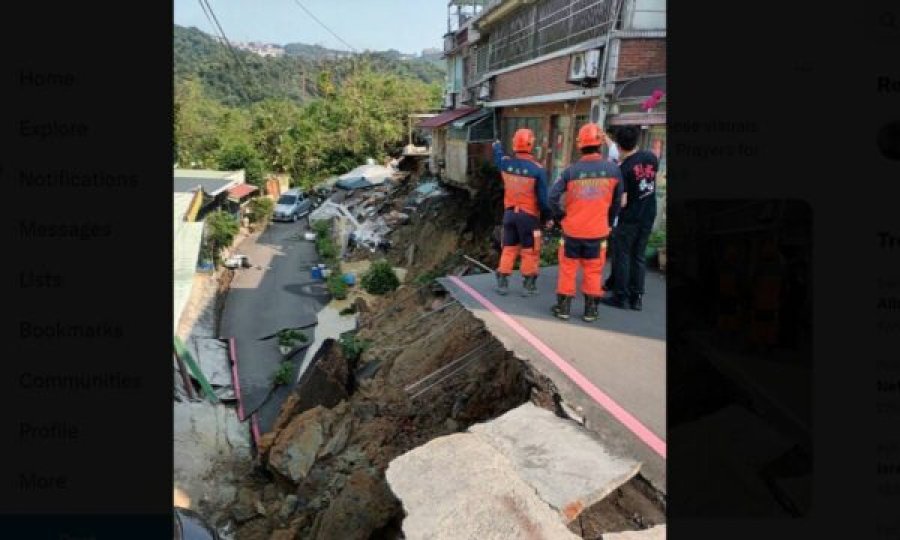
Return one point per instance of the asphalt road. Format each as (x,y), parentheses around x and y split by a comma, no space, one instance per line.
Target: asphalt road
(623,354)
(276,292)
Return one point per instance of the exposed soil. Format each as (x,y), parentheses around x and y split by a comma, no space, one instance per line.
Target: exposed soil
(320,473)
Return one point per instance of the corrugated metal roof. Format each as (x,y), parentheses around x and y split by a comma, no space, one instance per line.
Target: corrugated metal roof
(446,117)
(472,118)
(188,238)
(209,185)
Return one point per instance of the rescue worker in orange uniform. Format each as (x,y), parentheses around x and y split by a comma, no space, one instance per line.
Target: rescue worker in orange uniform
(525,205)
(592,188)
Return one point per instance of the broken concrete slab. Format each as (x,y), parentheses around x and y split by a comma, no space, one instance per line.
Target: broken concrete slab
(210,448)
(653,533)
(567,467)
(459,487)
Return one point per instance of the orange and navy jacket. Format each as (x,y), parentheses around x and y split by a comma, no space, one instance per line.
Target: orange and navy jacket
(593,190)
(524,183)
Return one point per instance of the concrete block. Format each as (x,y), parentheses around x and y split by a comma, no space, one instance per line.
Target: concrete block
(459,487)
(568,468)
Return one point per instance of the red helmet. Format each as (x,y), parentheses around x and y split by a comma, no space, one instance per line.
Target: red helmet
(590,135)
(523,141)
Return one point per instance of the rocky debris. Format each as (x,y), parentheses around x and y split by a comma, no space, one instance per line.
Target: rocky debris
(311,435)
(364,505)
(324,383)
(291,502)
(247,506)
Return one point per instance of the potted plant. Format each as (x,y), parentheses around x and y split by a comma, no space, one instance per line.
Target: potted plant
(288,338)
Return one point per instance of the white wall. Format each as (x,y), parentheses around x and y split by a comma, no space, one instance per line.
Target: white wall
(645,15)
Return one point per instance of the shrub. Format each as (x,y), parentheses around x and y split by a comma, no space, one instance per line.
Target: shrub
(261,209)
(283,374)
(336,286)
(288,336)
(550,252)
(657,239)
(380,278)
(221,228)
(352,346)
(427,277)
(322,228)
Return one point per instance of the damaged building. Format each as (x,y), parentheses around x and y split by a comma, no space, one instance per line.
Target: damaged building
(551,66)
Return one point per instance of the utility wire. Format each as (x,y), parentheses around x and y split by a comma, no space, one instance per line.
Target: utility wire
(211,16)
(323,25)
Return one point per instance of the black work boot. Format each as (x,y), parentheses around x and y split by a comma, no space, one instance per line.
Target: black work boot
(502,284)
(529,286)
(590,308)
(615,300)
(563,304)
(636,303)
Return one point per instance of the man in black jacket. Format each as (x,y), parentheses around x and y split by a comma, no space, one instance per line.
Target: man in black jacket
(639,169)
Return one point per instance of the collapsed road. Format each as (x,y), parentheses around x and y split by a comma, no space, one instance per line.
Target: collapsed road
(275,293)
(422,366)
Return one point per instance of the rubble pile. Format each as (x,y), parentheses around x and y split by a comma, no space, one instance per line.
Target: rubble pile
(325,459)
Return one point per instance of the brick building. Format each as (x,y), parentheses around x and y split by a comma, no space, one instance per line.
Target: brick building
(553,65)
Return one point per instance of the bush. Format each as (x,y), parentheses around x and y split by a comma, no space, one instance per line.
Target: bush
(657,239)
(322,228)
(380,278)
(427,277)
(288,337)
(336,286)
(283,375)
(221,228)
(352,346)
(261,209)
(327,250)
(550,252)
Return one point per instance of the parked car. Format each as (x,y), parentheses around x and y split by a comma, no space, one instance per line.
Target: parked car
(291,206)
(237,261)
(189,525)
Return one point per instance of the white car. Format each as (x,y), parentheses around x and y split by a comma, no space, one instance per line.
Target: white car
(237,261)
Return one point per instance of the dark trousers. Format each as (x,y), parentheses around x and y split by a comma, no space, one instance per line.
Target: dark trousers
(629,260)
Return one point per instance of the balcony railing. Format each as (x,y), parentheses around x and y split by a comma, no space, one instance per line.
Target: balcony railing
(541,28)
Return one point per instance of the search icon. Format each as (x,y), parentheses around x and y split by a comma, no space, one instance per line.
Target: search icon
(888,20)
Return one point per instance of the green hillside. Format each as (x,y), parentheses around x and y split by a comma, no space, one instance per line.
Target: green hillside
(198,56)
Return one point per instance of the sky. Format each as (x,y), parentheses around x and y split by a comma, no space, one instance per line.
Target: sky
(406,25)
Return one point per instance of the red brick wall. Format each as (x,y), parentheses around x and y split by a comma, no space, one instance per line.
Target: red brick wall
(641,57)
(545,78)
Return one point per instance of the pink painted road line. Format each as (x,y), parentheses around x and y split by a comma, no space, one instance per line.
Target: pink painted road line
(234,375)
(254,421)
(619,413)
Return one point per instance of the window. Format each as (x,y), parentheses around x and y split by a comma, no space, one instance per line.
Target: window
(287,199)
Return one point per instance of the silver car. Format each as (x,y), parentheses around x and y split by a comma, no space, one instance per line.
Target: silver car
(291,206)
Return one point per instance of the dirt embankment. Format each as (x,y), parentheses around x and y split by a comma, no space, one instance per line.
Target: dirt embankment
(429,369)
(323,467)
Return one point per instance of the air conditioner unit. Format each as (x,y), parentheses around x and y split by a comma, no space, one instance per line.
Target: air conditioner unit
(584,66)
(484,91)
(596,111)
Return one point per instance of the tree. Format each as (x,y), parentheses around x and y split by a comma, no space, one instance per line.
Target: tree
(242,156)
(221,228)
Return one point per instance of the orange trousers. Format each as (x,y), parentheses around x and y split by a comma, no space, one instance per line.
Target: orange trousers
(531,257)
(592,269)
